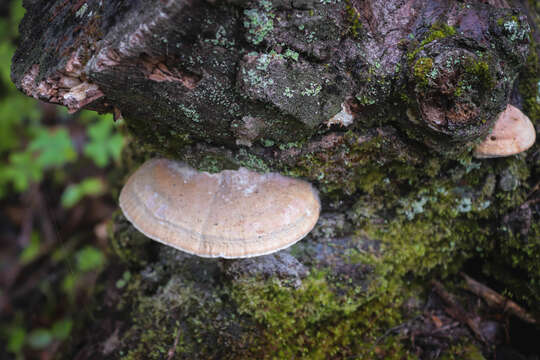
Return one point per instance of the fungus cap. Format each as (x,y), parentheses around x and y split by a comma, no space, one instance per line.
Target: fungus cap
(231,214)
(513,133)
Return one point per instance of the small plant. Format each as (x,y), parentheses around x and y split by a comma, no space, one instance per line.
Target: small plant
(104,144)
(75,192)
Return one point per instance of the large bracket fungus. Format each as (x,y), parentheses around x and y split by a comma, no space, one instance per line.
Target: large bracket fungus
(231,214)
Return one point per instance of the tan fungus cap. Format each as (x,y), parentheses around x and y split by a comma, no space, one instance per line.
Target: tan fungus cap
(513,133)
(231,214)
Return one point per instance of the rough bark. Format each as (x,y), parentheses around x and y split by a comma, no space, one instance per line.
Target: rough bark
(377,103)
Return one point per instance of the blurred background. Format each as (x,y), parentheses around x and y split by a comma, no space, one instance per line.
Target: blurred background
(55,198)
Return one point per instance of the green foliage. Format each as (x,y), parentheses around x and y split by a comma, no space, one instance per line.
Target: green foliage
(89,258)
(22,170)
(31,251)
(75,192)
(126,276)
(61,329)
(52,148)
(46,150)
(14,109)
(32,152)
(39,338)
(16,339)
(68,284)
(16,12)
(104,144)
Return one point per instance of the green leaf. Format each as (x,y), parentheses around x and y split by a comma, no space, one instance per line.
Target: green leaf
(74,193)
(4,30)
(6,52)
(54,148)
(16,14)
(126,276)
(22,170)
(89,258)
(16,339)
(62,328)
(40,338)
(31,250)
(104,143)
(14,109)
(68,284)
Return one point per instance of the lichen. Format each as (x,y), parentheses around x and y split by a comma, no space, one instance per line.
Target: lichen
(259,22)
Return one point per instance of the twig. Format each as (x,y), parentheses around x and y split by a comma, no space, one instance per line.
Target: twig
(172,350)
(533,190)
(28,219)
(391,330)
(456,311)
(494,299)
(46,223)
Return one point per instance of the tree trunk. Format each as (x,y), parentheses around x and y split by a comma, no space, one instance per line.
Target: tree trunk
(377,103)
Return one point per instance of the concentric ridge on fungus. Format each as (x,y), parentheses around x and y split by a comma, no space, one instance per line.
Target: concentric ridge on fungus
(231,214)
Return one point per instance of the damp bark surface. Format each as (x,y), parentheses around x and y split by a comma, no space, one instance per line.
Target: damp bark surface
(379,104)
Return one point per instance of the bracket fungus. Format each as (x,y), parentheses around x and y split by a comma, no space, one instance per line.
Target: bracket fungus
(231,214)
(512,133)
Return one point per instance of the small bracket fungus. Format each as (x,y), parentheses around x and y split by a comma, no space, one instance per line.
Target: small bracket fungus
(513,133)
(231,214)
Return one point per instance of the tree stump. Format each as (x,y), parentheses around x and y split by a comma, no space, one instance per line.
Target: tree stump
(378,104)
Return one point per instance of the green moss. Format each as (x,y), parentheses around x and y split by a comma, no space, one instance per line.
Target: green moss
(465,351)
(251,161)
(128,244)
(353,164)
(322,318)
(214,162)
(481,72)
(187,301)
(517,267)
(529,84)
(422,68)
(355,27)
(436,32)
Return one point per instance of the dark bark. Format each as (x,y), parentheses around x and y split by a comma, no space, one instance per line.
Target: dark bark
(191,66)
